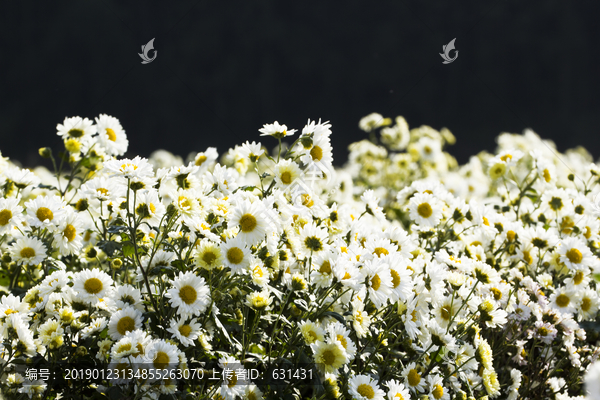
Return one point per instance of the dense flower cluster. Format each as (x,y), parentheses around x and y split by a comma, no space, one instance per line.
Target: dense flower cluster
(398,276)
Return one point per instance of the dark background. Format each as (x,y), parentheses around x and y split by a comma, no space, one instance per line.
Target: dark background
(224,69)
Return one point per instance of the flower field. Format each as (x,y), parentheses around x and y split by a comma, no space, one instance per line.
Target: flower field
(268,273)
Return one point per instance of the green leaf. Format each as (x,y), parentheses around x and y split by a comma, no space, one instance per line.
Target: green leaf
(116,228)
(335,315)
(128,249)
(109,247)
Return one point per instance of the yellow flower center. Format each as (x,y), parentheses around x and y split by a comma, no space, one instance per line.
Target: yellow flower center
(395,278)
(446,312)
(44,213)
(313,336)
(248,222)
(510,235)
(527,257)
(438,391)
(232,380)
(185,330)
(73,145)
(209,257)
(578,278)
(125,324)
(328,357)
(574,256)
(424,210)
(200,159)
(162,360)
(70,232)
(413,378)
(316,153)
(93,285)
(506,157)
(112,136)
(365,390)
(188,294)
(497,293)
(346,276)
(562,300)
(184,202)
(286,178)
(547,176)
(343,341)
(5,216)
(76,133)
(325,268)
(235,255)
(124,347)
(586,304)
(380,250)
(27,252)
(375,282)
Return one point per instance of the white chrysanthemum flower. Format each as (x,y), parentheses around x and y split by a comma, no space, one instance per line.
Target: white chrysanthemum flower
(413,378)
(425,210)
(91,285)
(76,128)
(10,304)
(589,303)
(102,188)
(250,219)
(137,168)
(28,250)
(189,294)
(380,281)
(313,240)
(111,135)
(329,357)
(592,381)
(276,130)
(360,319)
(311,332)
(363,387)
(236,255)
(209,255)
(22,178)
(491,383)
(575,254)
(68,237)
(397,390)
(34,388)
(96,326)
(373,121)
(339,333)
(162,355)
(565,300)
(123,321)
(185,332)
(320,156)
(127,296)
(286,172)
(45,211)
(205,159)
(11,216)
(259,300)
(148,207)
(437,391)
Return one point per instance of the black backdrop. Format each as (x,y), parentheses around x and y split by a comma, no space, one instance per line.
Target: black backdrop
(225,68)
